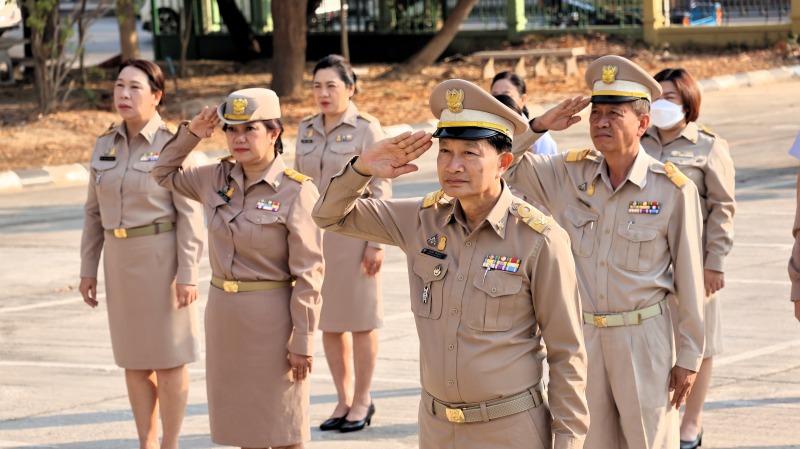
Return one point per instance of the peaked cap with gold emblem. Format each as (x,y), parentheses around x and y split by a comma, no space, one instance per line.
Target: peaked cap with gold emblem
(249,105)
(614,79)
(465,111)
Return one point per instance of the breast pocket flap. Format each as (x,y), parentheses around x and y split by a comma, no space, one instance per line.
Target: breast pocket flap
(144,166)
(430,269)
(498,283)
(636,233)
(578,217)
(258,217)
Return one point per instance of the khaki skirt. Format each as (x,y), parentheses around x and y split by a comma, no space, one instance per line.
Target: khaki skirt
(148,330)
(252,400)
(351,301)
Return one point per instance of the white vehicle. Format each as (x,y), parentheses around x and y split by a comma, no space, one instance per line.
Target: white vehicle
(10,15)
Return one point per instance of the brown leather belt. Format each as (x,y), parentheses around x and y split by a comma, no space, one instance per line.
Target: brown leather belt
(126,233)
(484,411)
(248,286)
(632,318)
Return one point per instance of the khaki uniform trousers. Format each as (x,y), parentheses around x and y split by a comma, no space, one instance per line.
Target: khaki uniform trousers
(525,430)
(628,386)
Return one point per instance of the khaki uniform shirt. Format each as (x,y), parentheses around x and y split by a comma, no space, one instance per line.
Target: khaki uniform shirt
(625,261)
(278,242)
(123,194)
(706,160)
(480,329)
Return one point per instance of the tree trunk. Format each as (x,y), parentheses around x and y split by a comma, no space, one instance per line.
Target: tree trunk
(288,47)
(244,39)
(436,46)
(343,23)
(128,37)
(185,33)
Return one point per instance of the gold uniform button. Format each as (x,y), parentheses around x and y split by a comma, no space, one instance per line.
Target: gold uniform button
(450,383)
(455,311)
(460,277)
(450,347)
(469,244)
(494,289)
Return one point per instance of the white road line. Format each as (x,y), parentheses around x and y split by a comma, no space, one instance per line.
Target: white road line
(766,185)
(60,302)
(727,360)
(756,281)
(199,371)
(764,245)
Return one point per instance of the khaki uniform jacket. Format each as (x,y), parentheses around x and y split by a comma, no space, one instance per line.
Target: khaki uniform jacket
(123,194)
(480,329)
(706,160)
(625,261)
(251,244)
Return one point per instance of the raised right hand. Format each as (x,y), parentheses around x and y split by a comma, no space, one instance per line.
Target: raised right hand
(203,124)
(391,157)
(88,289)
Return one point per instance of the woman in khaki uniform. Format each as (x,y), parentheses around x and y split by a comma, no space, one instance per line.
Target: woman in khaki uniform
(152,242)
(326,142)
(267,269)
(703,157)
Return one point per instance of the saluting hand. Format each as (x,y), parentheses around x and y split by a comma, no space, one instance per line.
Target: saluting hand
(561,116)
(186,294)
(391,157)
(680,384)
(88,289)
(301,366)
(203,124)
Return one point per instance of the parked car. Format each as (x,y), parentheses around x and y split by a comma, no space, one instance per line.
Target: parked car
(574,13)
(168,16)
(10,15)
(697,13)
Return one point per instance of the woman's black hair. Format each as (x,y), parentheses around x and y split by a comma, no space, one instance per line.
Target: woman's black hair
(342,68)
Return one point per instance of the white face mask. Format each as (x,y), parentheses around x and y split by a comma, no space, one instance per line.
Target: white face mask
(665,114)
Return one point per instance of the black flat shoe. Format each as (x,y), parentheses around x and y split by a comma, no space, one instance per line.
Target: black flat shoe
(333,423)
(693,444)
(353,426)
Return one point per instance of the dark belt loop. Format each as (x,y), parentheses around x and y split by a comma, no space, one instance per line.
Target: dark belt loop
(430,403)
(538,397)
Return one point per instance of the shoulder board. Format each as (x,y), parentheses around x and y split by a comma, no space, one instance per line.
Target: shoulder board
(368,117)
(675,175)
(171,128)
(432,198)
(296,175)
(227,158)
(577,155)
(533,217)
(109,130)
(708,131)
(308,117)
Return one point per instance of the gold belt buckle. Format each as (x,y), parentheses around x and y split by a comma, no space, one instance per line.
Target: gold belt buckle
(600,321)
(455,415)
(121,233)
(230,286)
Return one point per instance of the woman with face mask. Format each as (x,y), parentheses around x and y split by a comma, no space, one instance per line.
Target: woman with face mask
(352,310)
(704,157)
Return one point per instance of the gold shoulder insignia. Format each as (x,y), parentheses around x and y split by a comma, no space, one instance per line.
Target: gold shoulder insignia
(577,155)
(109,130)
(296,175)
(432,198)
(533,217)
(708,131)
(308,117)
(227,158)
(368,117)
(172,128)
(675,175)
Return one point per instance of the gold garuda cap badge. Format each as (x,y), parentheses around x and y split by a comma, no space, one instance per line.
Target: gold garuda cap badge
(455,99)
(239,105)
(609,73)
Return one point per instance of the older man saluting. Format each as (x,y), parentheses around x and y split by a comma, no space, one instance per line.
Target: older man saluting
(490,275)
(634,226)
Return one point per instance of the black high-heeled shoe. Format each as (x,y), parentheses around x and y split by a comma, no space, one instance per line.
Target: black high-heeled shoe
(333,423)
(353,426)
(693,444)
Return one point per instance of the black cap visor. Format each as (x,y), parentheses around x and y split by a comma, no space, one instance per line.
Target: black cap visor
(614,99)
(465,133)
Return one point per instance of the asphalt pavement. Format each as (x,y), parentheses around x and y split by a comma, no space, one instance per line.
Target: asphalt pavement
(60,389)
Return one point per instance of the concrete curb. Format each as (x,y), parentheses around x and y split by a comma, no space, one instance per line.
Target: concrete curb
(76,174)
